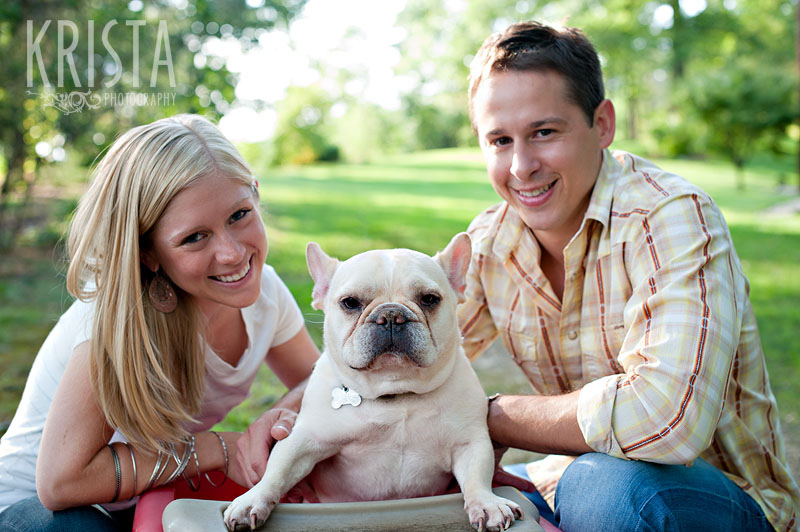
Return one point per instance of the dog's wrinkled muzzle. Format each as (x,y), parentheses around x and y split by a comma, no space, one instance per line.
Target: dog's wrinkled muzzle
(391,316)
(393,329)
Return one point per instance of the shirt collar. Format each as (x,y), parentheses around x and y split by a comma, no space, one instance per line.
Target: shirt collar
(602,196)
(510,233)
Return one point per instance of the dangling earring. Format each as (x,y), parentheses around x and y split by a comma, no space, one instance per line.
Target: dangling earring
(162,295)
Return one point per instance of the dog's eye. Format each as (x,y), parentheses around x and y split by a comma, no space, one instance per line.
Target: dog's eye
(350,303)
(429,300)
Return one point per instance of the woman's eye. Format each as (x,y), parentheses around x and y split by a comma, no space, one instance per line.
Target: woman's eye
(238,215)
(350,303)
(191,239)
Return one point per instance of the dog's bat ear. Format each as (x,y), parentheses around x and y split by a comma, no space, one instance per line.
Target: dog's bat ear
(454,260)
(321,267)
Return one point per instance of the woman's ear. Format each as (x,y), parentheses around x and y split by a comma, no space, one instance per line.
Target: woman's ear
(149,260)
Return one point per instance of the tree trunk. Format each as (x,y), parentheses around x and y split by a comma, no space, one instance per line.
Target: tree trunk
(739,164)
(679,51)
(8,224)
(632,101)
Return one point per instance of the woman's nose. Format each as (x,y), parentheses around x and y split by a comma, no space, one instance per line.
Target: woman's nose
(229,250)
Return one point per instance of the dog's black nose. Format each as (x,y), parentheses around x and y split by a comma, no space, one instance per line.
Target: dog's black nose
(390,315)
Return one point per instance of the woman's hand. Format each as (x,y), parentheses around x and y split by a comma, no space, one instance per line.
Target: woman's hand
(255,444)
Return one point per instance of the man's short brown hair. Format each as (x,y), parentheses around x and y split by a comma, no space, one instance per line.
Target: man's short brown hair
(531,46)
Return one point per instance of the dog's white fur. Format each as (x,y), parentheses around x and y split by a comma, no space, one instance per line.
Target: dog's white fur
(422,415)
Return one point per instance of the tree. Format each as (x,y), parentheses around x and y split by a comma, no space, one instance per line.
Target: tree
(742,105)
(105,78)
(655,56)
(300,135)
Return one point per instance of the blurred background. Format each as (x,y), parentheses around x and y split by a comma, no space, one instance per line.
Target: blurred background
(353,114)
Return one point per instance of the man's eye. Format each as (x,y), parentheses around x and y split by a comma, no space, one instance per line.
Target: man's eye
(543,132)
(502,141)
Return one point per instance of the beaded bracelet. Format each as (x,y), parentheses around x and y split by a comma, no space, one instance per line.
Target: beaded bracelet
(117,471)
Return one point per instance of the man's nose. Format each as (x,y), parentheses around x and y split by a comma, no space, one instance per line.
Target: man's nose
(524,162)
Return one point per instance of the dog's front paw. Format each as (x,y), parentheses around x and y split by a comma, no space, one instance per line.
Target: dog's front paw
(492,513)
(248,511)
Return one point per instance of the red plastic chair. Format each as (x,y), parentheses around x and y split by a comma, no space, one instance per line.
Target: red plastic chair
(147,516)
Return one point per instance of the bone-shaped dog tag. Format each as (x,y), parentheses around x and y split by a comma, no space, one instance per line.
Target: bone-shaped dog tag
(342,395)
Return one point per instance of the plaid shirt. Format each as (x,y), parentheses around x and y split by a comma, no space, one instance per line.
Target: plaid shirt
(655,328)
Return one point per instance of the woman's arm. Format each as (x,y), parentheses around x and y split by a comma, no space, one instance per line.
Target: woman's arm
(292,361)
(75,466)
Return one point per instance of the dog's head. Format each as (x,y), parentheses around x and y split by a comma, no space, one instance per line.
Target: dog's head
(390,315)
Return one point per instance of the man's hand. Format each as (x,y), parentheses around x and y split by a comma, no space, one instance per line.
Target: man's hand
(503,478)
(255,444)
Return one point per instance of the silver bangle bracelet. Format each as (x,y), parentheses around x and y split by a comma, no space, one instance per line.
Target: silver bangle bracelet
(193,487)
(225,452)
(133,464)
(117,471)
(156,473)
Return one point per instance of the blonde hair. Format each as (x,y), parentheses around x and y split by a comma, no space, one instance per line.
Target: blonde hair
(147,368)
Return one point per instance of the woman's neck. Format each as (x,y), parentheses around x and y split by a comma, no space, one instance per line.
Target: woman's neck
(225,332)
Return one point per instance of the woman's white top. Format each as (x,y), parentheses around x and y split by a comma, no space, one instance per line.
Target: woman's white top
(272,320)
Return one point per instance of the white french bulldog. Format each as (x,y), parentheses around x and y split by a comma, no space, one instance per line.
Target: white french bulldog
(393,408)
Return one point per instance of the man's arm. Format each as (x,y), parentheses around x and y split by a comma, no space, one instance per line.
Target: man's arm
(682,323)
(543,424)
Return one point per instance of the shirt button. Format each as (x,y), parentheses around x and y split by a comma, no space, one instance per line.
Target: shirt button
(573,334)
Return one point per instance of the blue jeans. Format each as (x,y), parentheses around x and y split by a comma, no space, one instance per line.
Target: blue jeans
(28,515)
(535,497)
(599,492)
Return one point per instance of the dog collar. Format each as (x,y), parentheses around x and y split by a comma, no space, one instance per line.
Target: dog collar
(342,395)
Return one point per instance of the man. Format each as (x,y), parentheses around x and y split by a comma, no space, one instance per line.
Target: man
(616,288)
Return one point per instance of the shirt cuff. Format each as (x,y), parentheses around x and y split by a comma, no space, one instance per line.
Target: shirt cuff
(595,409)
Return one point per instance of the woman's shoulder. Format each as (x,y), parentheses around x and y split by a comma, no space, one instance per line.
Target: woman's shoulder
(274,296)
(272,286)
(74,326)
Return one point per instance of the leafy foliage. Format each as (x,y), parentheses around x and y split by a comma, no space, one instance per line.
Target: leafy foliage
(741,106)
(81,96)
(300,136)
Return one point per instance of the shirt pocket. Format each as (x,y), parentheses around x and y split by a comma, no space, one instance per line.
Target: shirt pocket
(601,346)
(533,342)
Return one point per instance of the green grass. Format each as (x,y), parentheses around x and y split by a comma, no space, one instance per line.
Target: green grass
(419,201)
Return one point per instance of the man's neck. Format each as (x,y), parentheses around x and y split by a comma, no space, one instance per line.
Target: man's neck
(553,268)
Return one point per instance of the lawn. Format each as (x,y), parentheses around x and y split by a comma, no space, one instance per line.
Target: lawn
(419,201)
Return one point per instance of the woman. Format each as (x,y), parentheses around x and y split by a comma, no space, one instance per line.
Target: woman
(176,311)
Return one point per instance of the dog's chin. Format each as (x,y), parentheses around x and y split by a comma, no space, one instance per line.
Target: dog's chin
(390,362)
